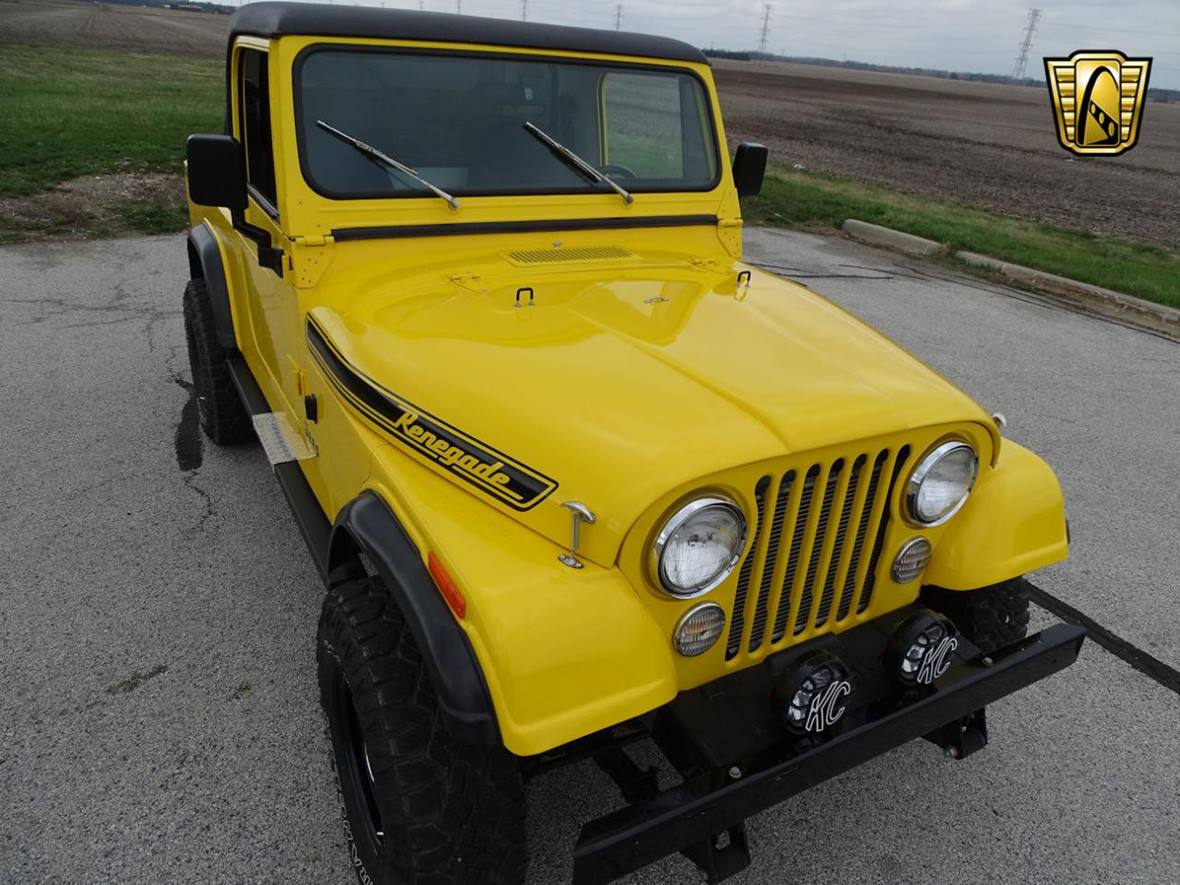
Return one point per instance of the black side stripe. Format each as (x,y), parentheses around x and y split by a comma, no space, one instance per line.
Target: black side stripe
(476,463)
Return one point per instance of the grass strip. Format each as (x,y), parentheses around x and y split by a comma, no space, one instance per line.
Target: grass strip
(72,112)
(797,199)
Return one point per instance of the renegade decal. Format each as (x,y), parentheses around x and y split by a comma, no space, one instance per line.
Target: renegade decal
(493,472)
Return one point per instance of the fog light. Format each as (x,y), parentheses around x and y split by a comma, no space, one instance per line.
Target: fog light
(814,697)
(923,648)
(911,559)
(699,629)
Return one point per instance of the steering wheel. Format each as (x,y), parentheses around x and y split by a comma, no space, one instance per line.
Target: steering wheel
(614,170)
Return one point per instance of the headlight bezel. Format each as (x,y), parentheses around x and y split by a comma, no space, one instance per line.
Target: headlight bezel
(922,471)
(674,522)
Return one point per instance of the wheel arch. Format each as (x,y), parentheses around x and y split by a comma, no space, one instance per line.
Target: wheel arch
(367,526)
(205,263)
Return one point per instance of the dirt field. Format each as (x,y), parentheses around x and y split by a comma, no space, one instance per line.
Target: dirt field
(111,26)
(992,146)
(986,145)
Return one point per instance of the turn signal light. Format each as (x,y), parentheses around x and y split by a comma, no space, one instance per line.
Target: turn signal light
(446,585)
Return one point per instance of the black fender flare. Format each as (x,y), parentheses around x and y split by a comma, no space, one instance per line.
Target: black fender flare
(204,263)
(367,525)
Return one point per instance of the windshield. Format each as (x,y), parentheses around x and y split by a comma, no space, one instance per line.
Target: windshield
(459,122)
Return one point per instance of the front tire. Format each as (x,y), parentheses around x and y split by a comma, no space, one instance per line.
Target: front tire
(223,417)
(991,617)
(419,806)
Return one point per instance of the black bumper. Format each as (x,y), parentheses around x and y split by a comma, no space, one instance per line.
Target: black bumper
(693,813)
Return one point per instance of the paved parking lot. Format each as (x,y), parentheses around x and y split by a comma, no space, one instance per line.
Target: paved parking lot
(158,709)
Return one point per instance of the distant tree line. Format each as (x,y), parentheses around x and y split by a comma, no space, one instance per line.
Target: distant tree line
(183,5)
(1164,95)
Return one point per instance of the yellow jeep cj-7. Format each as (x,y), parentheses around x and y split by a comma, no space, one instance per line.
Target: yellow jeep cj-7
(576,476)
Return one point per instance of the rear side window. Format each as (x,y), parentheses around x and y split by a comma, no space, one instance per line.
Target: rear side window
(255,104)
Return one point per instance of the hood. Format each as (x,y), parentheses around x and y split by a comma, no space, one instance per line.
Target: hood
(612,383)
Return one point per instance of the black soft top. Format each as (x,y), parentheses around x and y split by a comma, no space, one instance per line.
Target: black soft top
(312,19)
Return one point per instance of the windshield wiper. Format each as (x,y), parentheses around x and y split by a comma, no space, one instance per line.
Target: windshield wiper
(374,154)
(575,162)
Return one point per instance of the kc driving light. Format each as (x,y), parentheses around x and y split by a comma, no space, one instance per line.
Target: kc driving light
(923,648)
(941,483)
(699,546)
(699,629)
(813,697)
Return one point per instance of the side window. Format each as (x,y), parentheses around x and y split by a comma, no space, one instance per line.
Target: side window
(255,104)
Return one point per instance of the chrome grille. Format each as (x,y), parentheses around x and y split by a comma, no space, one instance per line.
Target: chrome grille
(812,560)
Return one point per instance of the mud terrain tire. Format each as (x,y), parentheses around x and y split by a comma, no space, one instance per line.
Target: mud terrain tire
(991,617)
(223,417)
(419,806)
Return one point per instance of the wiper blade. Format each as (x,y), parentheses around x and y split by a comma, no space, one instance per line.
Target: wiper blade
(575,162)
(369,151)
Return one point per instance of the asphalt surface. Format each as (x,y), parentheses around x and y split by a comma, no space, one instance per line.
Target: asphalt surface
(159,718)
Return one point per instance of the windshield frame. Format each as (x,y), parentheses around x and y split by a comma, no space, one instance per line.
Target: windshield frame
(711,132)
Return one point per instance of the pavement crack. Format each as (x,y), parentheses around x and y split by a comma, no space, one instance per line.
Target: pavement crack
(190,482)
(1147,664)
(135,680)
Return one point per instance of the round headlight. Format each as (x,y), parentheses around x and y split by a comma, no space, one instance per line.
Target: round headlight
(941,483)
(699,546)
(699,629)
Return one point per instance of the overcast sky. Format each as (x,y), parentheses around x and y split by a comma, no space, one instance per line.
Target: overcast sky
(964,35)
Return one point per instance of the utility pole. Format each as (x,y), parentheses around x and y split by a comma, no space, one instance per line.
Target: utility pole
(764,40)
(1034,15)
(618,16)
(459,6)
(524,10)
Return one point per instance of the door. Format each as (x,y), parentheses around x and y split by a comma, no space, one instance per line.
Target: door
(273,302)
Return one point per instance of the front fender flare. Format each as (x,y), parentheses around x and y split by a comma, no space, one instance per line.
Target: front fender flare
(204,261)
(368,523)
(1013,523)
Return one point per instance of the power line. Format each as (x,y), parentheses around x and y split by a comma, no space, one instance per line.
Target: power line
(1034,15)
(764,40)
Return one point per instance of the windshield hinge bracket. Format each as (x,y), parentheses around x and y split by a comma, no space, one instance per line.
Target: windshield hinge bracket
(310,257)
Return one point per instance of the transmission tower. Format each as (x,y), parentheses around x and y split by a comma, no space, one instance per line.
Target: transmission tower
(1034,15)
(764,40)
(618,16)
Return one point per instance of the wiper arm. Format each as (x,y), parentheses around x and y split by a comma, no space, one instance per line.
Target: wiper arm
(369,151)
(575,162)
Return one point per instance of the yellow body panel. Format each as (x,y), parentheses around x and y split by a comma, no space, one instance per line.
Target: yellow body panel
(1012,524)
(633,381)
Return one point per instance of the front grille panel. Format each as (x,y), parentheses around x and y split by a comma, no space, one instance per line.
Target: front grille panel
(808,571)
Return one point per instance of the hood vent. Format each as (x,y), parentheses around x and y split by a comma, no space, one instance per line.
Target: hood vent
(565,256)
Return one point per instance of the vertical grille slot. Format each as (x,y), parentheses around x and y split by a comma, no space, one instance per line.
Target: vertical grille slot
(797,535)
(825,602)
(858,541)
(758,625)
(817,546)
(737,621)
(866,595)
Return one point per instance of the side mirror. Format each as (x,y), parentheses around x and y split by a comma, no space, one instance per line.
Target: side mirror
(749,168)
(216,171)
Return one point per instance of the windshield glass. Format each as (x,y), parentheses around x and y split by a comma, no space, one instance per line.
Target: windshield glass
(459,122)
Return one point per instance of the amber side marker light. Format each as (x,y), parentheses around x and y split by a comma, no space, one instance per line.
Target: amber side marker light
(446,585)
